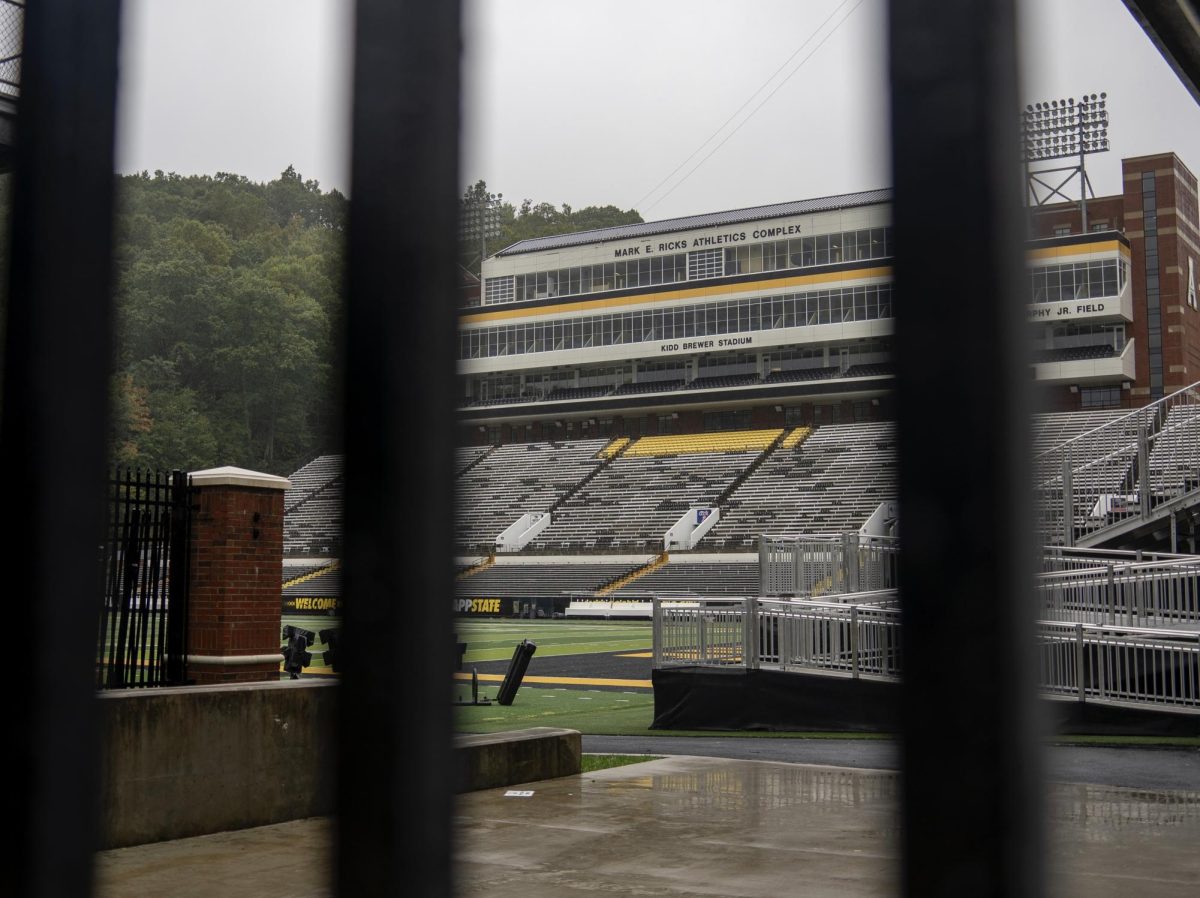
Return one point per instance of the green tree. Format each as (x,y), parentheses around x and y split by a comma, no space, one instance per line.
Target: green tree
(228,299)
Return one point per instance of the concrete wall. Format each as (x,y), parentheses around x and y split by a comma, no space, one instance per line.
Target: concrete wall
(203,759)
(491,760)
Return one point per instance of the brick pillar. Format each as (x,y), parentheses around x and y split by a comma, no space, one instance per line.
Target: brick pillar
(236,568)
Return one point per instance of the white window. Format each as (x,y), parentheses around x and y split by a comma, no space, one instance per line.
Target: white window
(498,290)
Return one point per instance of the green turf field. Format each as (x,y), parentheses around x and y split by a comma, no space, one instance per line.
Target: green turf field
(494,640)
(594,712)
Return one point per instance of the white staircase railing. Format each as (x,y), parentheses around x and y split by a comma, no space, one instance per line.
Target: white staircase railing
(1138,468)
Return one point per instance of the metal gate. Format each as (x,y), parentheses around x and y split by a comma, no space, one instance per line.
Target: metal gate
(143,620)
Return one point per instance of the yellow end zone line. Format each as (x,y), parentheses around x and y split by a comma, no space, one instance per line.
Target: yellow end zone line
(564,681)
(636,655)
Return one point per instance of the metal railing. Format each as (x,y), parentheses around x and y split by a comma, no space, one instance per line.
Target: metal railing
(1120,664)
(861,640)
(1135,468)
(142,639)
(812,566)
(1145,594)
(1070,558)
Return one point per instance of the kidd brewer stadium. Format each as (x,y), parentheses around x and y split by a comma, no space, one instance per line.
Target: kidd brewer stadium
(684,417)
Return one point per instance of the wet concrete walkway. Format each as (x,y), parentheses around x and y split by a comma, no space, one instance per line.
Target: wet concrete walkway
(690,826)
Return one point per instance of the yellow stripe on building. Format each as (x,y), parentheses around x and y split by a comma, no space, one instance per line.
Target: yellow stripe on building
(1077,249)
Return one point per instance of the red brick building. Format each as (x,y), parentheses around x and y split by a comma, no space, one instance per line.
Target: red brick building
(1155,218)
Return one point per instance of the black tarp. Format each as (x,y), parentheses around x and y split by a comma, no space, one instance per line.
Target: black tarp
(707,698)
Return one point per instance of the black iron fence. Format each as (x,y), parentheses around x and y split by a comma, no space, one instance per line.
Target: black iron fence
(143,620)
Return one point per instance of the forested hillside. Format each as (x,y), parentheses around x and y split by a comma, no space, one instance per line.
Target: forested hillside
(228,305)
(227,296)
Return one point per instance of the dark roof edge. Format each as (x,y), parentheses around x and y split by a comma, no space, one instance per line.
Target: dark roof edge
(708,219)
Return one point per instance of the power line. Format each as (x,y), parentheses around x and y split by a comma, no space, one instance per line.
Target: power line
(764,101)
(738,112)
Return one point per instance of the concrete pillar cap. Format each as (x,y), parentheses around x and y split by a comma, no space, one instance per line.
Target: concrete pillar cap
(231,476)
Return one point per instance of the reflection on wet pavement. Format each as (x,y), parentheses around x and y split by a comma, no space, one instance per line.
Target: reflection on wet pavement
(701,826)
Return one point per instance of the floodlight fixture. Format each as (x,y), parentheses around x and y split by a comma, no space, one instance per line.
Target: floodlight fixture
(1059,129)
(1066,128)
(479,219)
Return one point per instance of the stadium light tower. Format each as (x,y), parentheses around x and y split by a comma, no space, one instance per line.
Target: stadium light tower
(1062,129)
(479,219)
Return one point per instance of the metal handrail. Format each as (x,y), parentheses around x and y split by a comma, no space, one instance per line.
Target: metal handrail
(1086,661)
(1115,421)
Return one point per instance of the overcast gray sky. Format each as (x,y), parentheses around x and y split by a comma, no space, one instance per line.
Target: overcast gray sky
(605,101)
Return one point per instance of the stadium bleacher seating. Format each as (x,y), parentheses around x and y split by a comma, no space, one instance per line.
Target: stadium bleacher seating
(536,578)
(735,577)
(559,393)
(799,374)
(295,569)
(518,478)
(880,369)
(1173,465)
(651,386)
(465,456)
(326,583)
(1054,429)
(830,483)
(1101,463)
(1074,354)
(311,478)
(721,441)
(641,493)
(620,495)
(724,380)
(312,508)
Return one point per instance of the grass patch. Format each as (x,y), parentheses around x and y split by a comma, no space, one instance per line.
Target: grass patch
(1129,741)
(592,763)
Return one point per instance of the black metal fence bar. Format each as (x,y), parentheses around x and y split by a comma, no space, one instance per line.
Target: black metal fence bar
(53,433)
(396,774)
(143,617)
(971,817)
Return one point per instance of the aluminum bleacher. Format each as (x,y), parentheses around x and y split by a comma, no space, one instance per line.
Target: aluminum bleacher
(1174,460)
(297,568)
(640,494)
(518,478)
(649,386)
(1101,447)
(465,456)
(311,478)
(730,575)
(1051,430)
(326,583)
(540,577)
(313,525)
(830,483)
